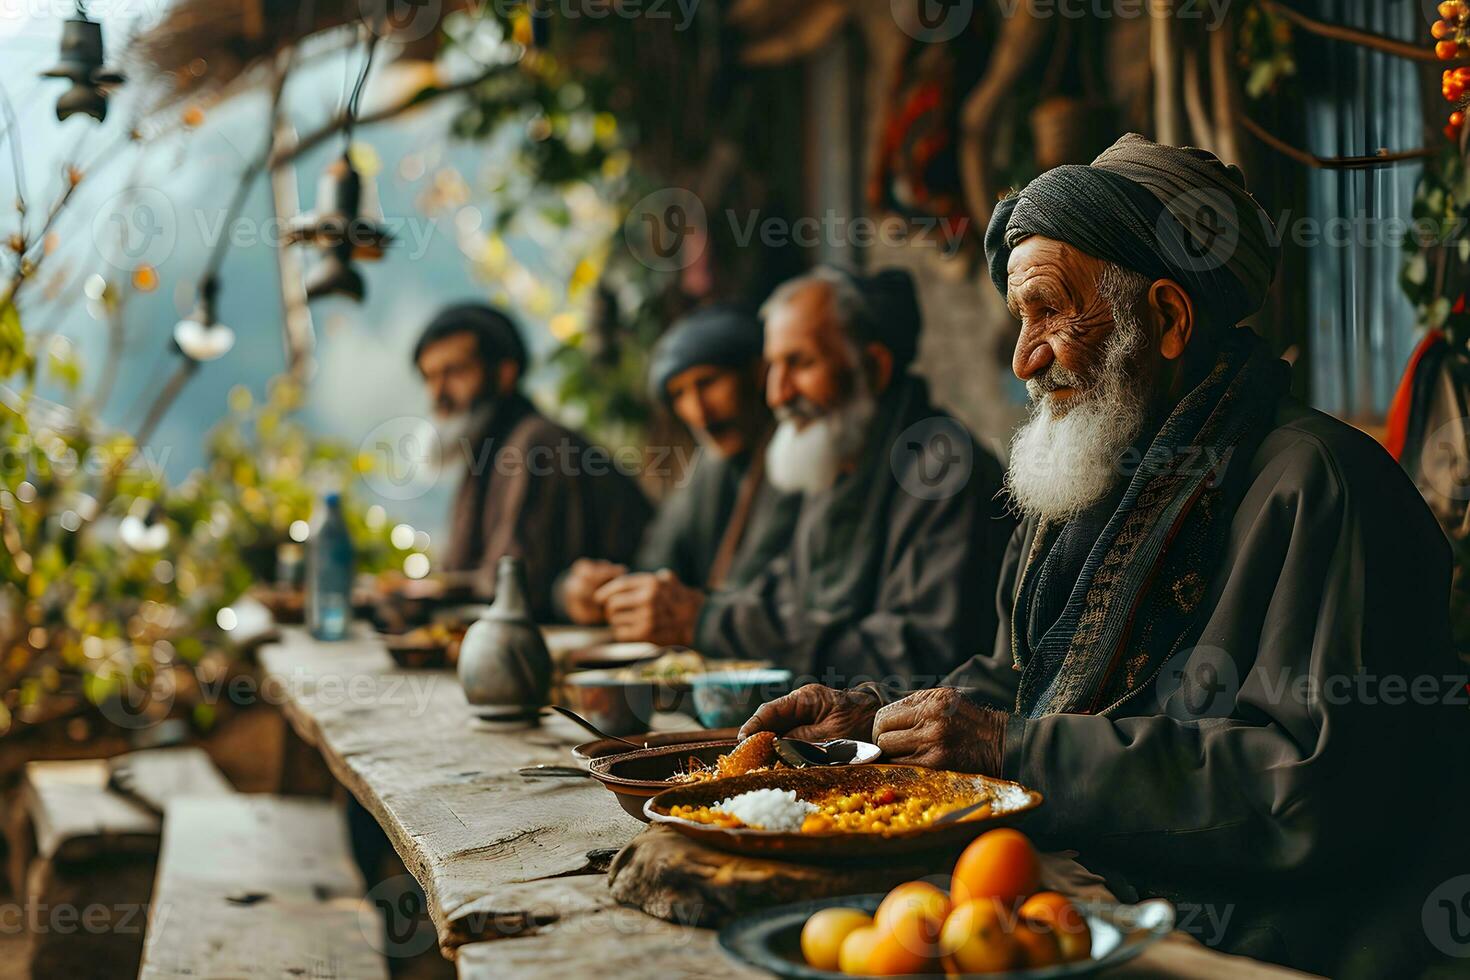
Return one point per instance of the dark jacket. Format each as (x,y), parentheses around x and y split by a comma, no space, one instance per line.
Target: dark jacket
(880,577)
(539,491)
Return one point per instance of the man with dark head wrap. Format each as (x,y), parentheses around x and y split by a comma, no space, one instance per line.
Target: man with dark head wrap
(1217,600)
(531,488)
(899,523)
(724,522)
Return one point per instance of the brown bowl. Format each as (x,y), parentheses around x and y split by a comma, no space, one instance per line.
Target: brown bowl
(637,775)
(599,747)
(1012,801)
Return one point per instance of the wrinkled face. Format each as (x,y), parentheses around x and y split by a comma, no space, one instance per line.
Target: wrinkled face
(1052,288)
(454,374)
(813,369)
(719,404)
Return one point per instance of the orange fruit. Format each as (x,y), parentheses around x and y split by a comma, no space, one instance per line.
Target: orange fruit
(999,864)
(857,950)
(913,898)
(824,932)
(1057,912)
(1038,945)
(975,940)
(909,947)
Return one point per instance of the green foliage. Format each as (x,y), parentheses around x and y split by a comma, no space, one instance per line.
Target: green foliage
(1437,254)
(1264,51)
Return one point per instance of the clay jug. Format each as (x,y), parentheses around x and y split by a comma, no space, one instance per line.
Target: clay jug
(503,664)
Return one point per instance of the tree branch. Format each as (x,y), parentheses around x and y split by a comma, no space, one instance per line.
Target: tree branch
(1381,159)
(1352,35)
(319,136)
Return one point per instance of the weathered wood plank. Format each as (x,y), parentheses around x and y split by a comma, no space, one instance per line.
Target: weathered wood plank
(443,786)
(155,776)
(74,816)
(257,886)
(593,936)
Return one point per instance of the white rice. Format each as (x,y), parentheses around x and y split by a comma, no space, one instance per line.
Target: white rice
(768,809)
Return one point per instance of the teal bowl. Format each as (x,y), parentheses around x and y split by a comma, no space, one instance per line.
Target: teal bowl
(727,698)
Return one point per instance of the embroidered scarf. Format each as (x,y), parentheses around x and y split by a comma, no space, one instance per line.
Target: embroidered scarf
(1134,600)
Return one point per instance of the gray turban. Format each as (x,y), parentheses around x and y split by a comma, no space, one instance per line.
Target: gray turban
(1166,212)
(723,336)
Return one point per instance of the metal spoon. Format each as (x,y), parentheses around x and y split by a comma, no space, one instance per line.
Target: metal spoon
(799,753)
(569,713)
(960,814)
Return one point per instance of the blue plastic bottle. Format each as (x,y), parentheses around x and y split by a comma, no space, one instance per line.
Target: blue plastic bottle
(329,573)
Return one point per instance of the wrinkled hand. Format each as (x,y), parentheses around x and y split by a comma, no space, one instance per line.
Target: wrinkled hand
(584,578)
(656,608)
(816,712)
(942,729)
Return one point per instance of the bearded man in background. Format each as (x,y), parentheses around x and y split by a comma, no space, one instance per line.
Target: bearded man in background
(531,488)
(899,523)
(1218,600)
(723,524)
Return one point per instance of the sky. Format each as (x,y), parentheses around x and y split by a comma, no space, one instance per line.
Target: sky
(363,380)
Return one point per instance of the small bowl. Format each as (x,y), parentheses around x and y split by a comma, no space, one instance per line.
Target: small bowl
(615,705)
(730,697)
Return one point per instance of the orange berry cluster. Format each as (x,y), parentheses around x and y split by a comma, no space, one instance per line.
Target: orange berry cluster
(1452,40)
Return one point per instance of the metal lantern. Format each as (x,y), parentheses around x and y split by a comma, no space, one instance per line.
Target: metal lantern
(335,275)
(82,63)
(200,336)
(346,226)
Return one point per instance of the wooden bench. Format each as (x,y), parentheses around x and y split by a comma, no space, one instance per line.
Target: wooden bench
(82,855)
(258,886)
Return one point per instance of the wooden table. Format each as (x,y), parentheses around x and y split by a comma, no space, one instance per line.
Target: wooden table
(512,867)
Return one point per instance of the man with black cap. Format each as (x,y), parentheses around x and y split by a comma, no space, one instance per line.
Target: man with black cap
(531,487)
(1217,603)
(899,525)
(725,521)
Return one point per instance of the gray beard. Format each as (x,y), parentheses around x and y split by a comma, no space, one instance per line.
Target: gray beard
(1062,464)
(809,459)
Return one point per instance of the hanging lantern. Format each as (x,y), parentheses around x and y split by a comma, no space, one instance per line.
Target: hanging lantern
(82,63)
(335,275)
(346,226)
(200,336)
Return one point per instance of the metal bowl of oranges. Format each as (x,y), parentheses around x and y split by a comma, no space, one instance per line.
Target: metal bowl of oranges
(994,920)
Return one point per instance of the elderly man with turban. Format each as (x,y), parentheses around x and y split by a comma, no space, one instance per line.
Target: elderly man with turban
(1224,653)
(724,522)
(899,523)
(531,488)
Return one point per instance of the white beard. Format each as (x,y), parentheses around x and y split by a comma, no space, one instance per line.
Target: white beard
(449,433)
(809,459)
(1062,464)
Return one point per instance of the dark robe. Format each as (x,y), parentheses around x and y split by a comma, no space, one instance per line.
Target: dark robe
(541,492)
(692,533)
(1315,827)
(880,577)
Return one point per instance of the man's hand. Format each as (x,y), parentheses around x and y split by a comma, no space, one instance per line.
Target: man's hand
(942,729)
(579,589)
(656,608)
(816,712)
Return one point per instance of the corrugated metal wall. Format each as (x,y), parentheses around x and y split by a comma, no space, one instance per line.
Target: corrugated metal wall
(1357,100)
